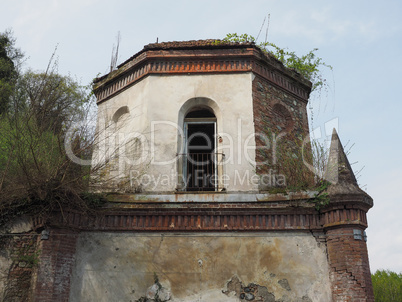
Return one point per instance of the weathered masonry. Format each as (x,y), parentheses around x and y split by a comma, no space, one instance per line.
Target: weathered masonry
(187,148)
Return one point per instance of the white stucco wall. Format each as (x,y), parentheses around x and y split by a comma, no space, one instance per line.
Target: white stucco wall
(154,104)
(199,266)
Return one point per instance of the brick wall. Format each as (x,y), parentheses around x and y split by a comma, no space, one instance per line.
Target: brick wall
(279,113)
(266,98)
(349,265)
(23,252)
(55,266)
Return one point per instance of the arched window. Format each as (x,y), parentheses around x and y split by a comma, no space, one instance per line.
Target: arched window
(199,165)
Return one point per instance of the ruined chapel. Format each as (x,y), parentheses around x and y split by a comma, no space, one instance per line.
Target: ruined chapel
(191,137)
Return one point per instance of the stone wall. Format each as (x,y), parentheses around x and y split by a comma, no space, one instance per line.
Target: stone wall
(19,258)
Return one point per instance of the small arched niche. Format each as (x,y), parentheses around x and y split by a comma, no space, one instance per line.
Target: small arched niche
(282,118)
(120,114)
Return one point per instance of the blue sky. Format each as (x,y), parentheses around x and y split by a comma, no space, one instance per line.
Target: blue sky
(362,40)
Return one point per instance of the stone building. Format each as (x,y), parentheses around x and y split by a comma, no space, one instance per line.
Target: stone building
(199,206)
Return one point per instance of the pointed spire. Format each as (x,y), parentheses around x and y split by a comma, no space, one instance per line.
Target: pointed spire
(340,174)
(338,170)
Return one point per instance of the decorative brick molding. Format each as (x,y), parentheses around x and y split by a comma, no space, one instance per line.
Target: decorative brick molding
(345,215)
(200,217)
(200,58)
(212,216)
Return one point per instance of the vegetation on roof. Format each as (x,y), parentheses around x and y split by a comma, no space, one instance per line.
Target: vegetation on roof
(309,65)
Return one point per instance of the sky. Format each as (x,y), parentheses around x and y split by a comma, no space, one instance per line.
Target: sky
(361,40)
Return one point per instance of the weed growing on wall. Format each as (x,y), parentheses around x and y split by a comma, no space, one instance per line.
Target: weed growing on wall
(308,65)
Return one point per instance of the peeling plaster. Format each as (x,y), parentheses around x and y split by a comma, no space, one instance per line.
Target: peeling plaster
(198,266)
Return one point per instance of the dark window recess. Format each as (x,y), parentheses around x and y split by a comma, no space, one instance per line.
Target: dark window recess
(200,157)
(202,113)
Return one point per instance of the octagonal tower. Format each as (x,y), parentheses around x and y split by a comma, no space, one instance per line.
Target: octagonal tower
(193,116)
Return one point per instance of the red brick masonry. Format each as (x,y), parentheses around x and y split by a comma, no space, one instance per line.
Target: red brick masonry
(55,266)
(349,264)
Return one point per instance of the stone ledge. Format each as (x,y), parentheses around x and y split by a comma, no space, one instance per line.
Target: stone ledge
(215,197)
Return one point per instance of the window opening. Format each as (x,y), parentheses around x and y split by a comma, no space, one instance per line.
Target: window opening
(200,170)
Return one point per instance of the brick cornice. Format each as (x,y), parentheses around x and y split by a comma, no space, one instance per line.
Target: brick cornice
(200,61)
(336,216)
(179,218)
(212,216)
